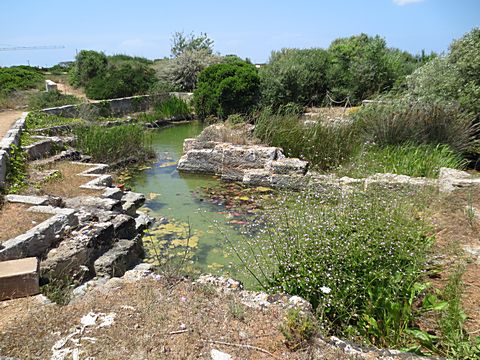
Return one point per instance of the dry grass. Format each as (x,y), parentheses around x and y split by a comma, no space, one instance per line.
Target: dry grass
(148,323)
(235,134)
(66,185)
(16,220)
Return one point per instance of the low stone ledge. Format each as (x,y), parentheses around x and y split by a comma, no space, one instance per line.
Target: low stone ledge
(93,202)
(114,193)
(288,166)
(24,199)
(92,168)
(100,182)
(44,147)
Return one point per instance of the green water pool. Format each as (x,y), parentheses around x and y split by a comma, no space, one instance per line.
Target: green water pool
(197,231)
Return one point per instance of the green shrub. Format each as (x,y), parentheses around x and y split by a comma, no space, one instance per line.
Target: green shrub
(325,146)
(112,144)
(295,76)
(411,160)
(399,121)
(51,99)
(88,64)
(19,78)
(356,257)
(122,81)
(298,328)
(227,88)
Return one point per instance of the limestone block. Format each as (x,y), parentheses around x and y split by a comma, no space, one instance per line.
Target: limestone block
(143,222)
(294,182)
(246,156)
(207,161)
(137,198)
(98,182)
(19,278)
(3,167)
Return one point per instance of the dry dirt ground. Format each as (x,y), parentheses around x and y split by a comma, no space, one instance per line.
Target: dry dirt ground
(7,118)
(16,220)
(149,319)
(456,221)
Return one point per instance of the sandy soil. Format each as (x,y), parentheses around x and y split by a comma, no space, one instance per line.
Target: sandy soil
(7,118)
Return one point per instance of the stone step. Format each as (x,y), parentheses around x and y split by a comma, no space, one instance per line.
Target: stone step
(124,255)
(19,278)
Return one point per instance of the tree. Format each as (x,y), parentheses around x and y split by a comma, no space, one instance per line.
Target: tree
(227,88)
(182,43)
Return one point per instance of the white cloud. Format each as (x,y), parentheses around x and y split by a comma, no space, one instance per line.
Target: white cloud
(406,2)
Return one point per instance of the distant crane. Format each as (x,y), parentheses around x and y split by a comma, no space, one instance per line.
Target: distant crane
(46,47)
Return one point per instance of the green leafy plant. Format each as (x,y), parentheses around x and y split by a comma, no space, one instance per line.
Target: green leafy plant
(17,170)
(356,257)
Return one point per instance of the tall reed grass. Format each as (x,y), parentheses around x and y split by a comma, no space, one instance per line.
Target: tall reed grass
(112,144)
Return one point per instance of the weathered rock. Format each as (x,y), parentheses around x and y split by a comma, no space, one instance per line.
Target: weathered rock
(114,193)
(257,177)
(82,247)
(143,222)
(19,278)
(135,198)
(219,355)
(205,161)
(122,256)
(450,179)
(124,227)
(289,166)
(98,182)
(294,182)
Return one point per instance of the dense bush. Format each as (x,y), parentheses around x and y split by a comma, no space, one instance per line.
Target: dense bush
(295,76)
(454,77)
(111,144)
(121,81)
(19,78)
(88,65)
(363,66)
(355,256)
(51,99)
(227,88)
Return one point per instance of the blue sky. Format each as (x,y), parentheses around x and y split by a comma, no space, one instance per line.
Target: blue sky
(247,28)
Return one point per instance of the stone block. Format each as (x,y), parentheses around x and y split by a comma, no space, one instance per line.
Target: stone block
(114,193)
(206,161)
(3,167)
(98,182)
(93,202)
(124,255)
(257,177)
(288,166)
(19,278)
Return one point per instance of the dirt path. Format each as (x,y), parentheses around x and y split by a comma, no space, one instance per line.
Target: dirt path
(69,90)
(7,118)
